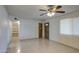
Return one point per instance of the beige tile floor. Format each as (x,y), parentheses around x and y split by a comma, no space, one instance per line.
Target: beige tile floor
(40,46)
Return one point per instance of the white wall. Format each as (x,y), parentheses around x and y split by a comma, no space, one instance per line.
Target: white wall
(72,37)
(69,26)
(75,26)
(66,26)
(28,29)
(53,28)
(73,19)
(4,29)
(71,40)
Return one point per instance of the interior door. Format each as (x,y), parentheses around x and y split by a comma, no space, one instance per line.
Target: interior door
(46,30)
(40,30)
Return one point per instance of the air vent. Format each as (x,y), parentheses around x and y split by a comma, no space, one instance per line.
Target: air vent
(16,19)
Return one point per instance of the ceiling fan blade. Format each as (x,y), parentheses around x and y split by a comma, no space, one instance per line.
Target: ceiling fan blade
(42,10)
(58,7)
(54,8)
(60,11)
(43,14)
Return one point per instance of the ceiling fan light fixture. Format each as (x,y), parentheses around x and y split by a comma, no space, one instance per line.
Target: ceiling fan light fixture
(50,14)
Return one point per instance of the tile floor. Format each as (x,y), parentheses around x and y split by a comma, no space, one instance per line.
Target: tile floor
(40,46)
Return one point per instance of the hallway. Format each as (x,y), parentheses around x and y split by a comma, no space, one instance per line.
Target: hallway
(41,46)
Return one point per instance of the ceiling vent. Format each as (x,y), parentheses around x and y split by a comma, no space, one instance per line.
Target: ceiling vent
(16,19)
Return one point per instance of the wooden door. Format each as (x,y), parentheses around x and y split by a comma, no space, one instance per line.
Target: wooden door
(46,30)
(40,30)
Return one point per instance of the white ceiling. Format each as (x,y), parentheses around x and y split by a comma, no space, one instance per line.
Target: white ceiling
(32,11)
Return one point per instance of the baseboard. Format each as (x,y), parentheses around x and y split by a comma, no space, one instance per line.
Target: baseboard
(8,46)
(65,45)
(29,39)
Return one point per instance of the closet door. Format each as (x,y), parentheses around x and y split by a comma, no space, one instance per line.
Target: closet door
(46,30)
(40,30)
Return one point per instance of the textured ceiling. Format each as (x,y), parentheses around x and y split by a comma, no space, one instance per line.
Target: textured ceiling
(32,11)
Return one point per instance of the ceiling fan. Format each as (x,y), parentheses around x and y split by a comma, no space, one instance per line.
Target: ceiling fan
(52,9)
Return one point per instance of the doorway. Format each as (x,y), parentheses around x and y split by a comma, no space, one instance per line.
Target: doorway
(46,30)
(15,29)
(15,36)
(40,30)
